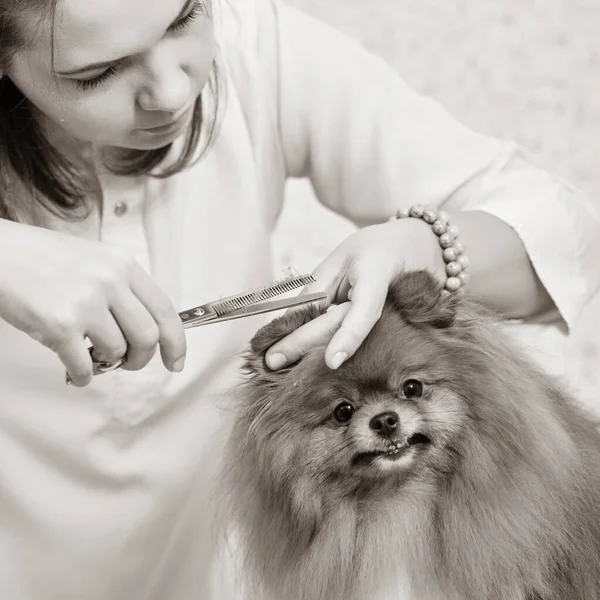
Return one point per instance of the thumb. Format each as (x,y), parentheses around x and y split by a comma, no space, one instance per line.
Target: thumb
(330,276)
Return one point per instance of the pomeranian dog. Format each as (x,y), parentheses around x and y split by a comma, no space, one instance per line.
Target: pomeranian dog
(438,463)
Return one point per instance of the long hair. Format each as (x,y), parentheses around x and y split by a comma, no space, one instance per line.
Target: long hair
(30,167)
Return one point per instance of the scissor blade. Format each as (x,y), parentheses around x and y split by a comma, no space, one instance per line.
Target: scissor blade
(263,307)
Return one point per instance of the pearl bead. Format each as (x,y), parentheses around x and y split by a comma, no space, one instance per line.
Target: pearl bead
(453,284)
(453,269)
(446,240)
(430,216)
(464,261)
(402,213)
(443,216)
(459,247)
(450,254)
(453,231)
(439,227)
(464,277)
(416,211)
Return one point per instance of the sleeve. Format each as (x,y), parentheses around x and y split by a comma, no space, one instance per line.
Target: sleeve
(370,145)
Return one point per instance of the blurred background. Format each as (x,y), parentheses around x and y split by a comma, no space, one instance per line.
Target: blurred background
(527,70)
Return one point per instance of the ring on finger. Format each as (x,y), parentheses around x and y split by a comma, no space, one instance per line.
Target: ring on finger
(101,367)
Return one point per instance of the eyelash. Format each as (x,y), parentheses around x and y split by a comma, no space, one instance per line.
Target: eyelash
(197,9)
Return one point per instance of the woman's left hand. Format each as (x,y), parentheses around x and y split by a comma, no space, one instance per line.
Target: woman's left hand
(357,276)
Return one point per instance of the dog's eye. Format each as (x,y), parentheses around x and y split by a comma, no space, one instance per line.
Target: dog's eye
(343,412)
(412,389)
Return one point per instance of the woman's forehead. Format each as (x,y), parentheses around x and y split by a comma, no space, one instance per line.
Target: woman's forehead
(91,31)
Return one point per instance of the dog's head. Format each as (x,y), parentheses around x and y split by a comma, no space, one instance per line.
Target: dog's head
(431,372)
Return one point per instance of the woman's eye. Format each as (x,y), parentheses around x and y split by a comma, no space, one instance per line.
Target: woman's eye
(86,84)
(412,389)
(343,412)
(197,9)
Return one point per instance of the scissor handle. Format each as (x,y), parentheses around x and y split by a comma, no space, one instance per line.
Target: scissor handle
(100,367)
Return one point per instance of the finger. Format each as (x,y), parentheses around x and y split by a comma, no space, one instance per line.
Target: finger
(329,276)
(171,334)
(139,329)
(368,298)
(75,356)
(316,332)
(107,339)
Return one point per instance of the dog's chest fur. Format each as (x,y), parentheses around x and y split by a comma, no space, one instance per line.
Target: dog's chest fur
(390,562)
(381,550)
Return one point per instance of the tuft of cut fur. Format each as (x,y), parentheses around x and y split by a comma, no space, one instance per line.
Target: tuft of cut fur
(488,487)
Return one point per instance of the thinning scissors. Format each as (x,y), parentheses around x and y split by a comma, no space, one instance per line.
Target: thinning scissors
(242,305)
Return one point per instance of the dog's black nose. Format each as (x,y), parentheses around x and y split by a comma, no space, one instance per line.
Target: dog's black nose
(385,423)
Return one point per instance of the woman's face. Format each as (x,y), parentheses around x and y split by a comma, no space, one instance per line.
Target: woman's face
(122,73)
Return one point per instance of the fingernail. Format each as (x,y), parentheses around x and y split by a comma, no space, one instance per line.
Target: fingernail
(338,359)
(178,365)
(276,361)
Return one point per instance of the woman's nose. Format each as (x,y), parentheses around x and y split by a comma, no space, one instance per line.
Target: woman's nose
(167,88)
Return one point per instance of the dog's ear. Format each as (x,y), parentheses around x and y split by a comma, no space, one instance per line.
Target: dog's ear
(271,333)
(418,297)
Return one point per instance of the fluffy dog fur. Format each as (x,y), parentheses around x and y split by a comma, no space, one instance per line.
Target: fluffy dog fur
(485,487)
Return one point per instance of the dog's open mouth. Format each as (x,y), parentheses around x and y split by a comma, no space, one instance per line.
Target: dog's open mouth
(393,451)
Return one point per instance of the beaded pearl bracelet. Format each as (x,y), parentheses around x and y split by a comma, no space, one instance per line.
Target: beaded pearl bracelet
(452,249)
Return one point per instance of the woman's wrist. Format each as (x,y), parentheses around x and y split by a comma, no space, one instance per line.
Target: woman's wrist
(496,267)
(454,274)
(501,275)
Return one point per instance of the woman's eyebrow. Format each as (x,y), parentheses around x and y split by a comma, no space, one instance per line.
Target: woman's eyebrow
(108,63)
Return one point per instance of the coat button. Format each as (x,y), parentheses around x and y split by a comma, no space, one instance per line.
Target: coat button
(120,209)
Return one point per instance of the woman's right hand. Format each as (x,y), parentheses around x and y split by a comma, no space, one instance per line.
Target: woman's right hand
(60,289)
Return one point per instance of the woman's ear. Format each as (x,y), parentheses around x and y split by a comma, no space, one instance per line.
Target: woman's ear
(271,333)
(420,299)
